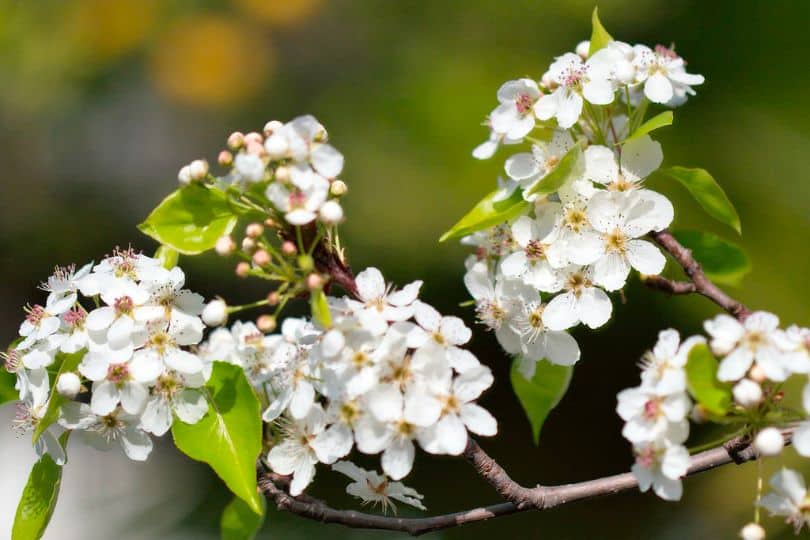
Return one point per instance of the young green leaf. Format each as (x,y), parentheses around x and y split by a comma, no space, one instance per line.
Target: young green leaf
(167,256)
(599,36)
(66,363)
(487,213)
(320,308)
(658,121)
(229,437)
(723,262)
(38,500)
(708,193)
(7,391)
(570,166)
(191,219)
(542,393)
(239,522)
(701,379)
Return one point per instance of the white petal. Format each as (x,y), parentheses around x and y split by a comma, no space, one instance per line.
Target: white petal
(734,366)
(452,434)
(136,443)
(522,166)
(561,348)
(561,312)
(327,160)
(658,88)
(421,408)
(600,164)
(598,91)
(385,402)
(100,319)
(455,331)
(333,443)
(594,307)
(515,264)
(370,284)
(184,362)
(427,316)
(469,385)
(569,108)
(645,257)
(133,397)
(303,397)
(478,420)
(397,460)
(104,399)
(640,157)
(801,439)
(190,406)
(157,417)
(611,271)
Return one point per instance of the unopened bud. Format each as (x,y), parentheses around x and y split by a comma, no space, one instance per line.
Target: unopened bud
(315,282)
(261,258)
(757,374)
(236,140)
(248,245)
(331,212)
(225,158)
(272,126)
(68,385)
(338,188)
(698,414)
(215,313)
(266,323)
(277,146)
(255,148)
(747,393)
(283,174)
(306,263)
(184,176)
(752,531)
(769,442)
(270,222)
(582,49)
(548,82)
(273,298)
(254,136)
(225,245)
(242,269)
(288,248)
(254,230)
(198,169)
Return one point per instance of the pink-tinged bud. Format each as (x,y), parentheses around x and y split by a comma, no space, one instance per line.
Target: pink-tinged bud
(248,245)
(236,140)
(254,230)
(769,442)
(272,126)
(315,282)
(254,137)
(242,269)
(752,531)
(261,258)
(68,385)
(255,148)
(582,49)
(198,169)
(331,212)
(184,176)
(757,374)
(273,298)
(270,222)
(283,174)
(225,158)
(288,248)
(266,323)
(225,245)
(215,313)
(277,146)
(338,188)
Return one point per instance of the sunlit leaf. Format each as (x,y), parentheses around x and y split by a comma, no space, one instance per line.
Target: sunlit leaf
(7,391)
(66,363)
(320,308)
(599,36)
(191,219)
(240,522)
(38,499)
(487,213)
(571,165)
(229,437)
(658,121)
(722,261)
(167,256)
(708,193)
(701,377)
(542,393)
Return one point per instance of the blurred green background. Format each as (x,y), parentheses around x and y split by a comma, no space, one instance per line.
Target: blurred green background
(101,101)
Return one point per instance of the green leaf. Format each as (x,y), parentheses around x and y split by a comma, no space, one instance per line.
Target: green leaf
(229,437)
(191,219)
(701,380)
(542,393)
(66,363)
(7,391)
(658,121)
(599,36)
(708,193)
(167,256)
(320,308)
(239,522)
(570,166)
(722,261)
(488,213)
(38,500)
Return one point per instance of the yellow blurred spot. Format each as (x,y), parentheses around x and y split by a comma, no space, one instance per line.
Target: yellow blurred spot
(279,12)
(109,28)
(212,61)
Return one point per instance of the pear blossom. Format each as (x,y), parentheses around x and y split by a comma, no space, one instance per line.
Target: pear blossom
(581,302)
(743,344)
(648,415)
(248,168)
(537,262)
(663,367)
(514,117)
(538,342)
(173,394)
(788,499)
(378,305)
(294,454)
(40,323)
(639,158)
(299,205)
(372,487)
(119,378)
(664,75)
(62,287)
(116,320)
(104,431)
(660,465)
(525,169)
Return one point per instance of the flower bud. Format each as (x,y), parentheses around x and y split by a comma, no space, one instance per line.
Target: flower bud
(769,442)
(242,269)
(273,298)
(288,248)
(752,531)
(331,212)
(255,148)
(68,385)
(266,323)
(306,263)
(270,222)
(215,313)
(547,82)
(261,258)
(315,282)
(254,230)
(248,245)
(236,140)
(225,245)
(272,126)
(225,158)
(283,174)
(198,169)
(757,374)
(184,176)
(582,49)
(277,146)
(254,137)
(747,393)
(338,188)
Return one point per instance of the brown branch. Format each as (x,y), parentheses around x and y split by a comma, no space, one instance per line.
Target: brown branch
(697,278)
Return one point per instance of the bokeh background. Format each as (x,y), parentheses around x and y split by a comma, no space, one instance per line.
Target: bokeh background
(101,101)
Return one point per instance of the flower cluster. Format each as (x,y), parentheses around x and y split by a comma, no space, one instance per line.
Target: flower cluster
(389,371)
(655,415)
(128,319)
(292,164)
(580,231)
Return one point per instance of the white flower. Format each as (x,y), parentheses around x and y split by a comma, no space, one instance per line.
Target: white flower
(514,117)
(525,169)
(173,394)
(639,158)
(445,334)
(663,367)
(538,342)
(119,378)
(789,499)
(163,344)
(75,331)
(664,75)
(648,415)
(30,410)
(169,300)
(116,321)
(62,287)
(40,323)
(581,302)
(295,455)
(300,205)
(794,342)
(487,149)
(123,268)
(537,262)
(660,465)
(337,440)
(371,487)
(104,431)
(742,344)
(378,305)
(248,168)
